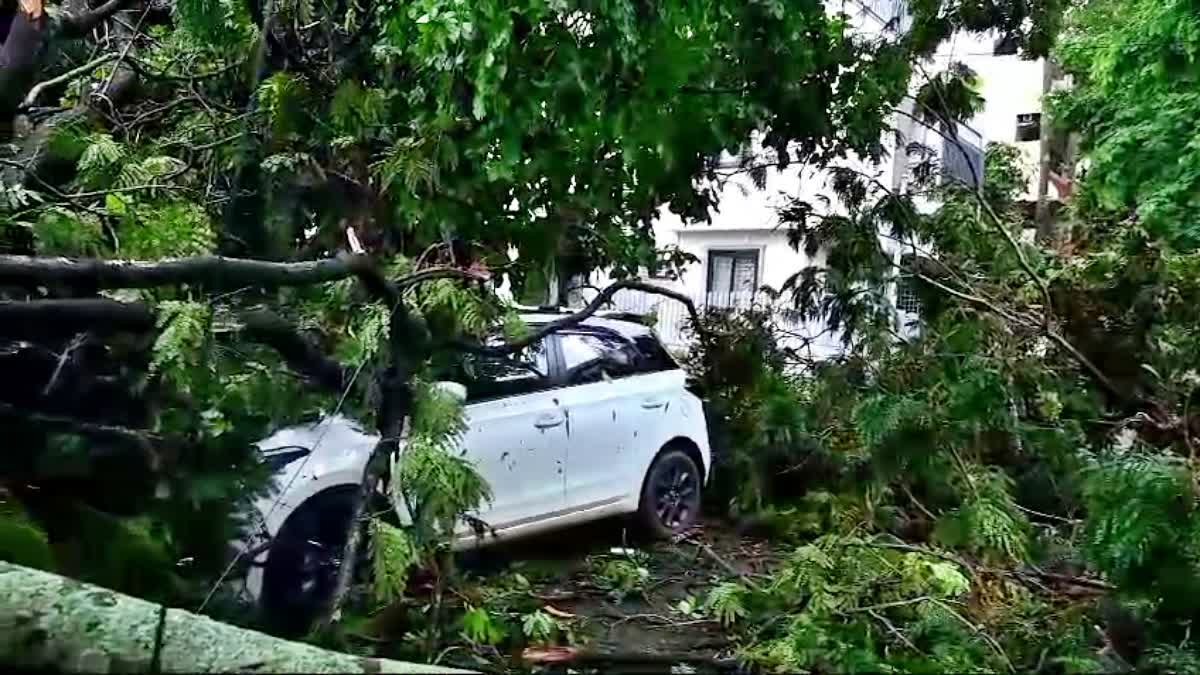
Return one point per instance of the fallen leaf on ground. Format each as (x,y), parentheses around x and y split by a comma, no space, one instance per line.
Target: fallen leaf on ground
(548,654)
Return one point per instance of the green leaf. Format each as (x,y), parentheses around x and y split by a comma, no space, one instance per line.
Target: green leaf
(480,627)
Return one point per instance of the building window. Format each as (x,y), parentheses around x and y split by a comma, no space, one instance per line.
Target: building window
(1029,126)
(962,162)
(907,299)
(732,272)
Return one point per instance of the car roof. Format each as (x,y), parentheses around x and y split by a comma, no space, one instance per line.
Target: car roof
(612,321)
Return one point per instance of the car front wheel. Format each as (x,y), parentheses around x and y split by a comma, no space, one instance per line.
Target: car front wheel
(303,564)
(670,501)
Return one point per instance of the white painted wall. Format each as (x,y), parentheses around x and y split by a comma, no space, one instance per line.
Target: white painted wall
(1010,86)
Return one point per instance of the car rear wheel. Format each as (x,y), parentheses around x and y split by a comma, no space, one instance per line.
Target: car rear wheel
(670,501)
(303,564)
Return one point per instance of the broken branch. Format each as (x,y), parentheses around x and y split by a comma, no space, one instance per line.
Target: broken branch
(301,355)
(140,437)
(42,317)
(37,89)
(215,271)
(601,299)
(78,25)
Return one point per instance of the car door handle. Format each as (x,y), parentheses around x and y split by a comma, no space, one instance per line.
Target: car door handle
(651,403)
(548,421)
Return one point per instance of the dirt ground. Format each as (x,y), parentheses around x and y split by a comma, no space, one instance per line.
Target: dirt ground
(644,631)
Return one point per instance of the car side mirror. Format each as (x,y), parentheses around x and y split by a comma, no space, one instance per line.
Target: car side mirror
(455,390)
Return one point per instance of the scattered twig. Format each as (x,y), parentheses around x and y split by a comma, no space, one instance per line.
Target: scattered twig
(892,628)
(63,358)
(36,90)
(1048,516)
(725,565)
(889,605)
(217,143)
(1072,580)
(552,655)
(921,507)
(979,631)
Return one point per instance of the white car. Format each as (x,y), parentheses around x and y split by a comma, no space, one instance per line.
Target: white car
(593,421)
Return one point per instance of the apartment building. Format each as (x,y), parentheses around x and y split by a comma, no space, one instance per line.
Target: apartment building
(746,245)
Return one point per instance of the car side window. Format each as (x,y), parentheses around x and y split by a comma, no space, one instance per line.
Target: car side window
(654,357)
(489,376)
(589,356)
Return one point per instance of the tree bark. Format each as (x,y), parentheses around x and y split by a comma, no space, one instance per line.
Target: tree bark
(211,271)
(408,342)
(1050,228)
(78,25)
(20,55)
(55,623)
(24,49)
(41,318)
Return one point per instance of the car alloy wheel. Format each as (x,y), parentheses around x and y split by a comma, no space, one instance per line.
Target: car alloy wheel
(671,494)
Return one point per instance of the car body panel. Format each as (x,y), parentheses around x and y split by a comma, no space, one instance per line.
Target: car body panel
(518,448)
(518,445)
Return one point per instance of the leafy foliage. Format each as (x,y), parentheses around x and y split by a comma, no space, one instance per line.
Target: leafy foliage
(558,131)
(621,576)
(540,628)
(481,627)
(392,555)
(180,345)
(1142,524)
(434,483)
(1137,70)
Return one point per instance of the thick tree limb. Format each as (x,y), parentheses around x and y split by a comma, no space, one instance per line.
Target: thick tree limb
(20,54)
(371,277)
(601,299)
(383,289)
(301,355)
(408,346)
(78,25)
(214,271)
(432,273)
(33,318)
(55,624)
(139,437)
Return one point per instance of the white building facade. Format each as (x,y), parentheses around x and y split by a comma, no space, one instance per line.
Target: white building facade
(746,245)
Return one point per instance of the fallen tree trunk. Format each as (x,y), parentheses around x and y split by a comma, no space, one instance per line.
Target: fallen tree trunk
(49,621)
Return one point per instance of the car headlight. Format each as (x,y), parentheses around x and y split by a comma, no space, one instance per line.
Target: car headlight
(277,458)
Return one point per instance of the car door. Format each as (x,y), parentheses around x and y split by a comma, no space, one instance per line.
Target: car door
(516,435)
(605,416)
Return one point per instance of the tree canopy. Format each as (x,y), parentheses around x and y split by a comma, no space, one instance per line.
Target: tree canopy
(217,217)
